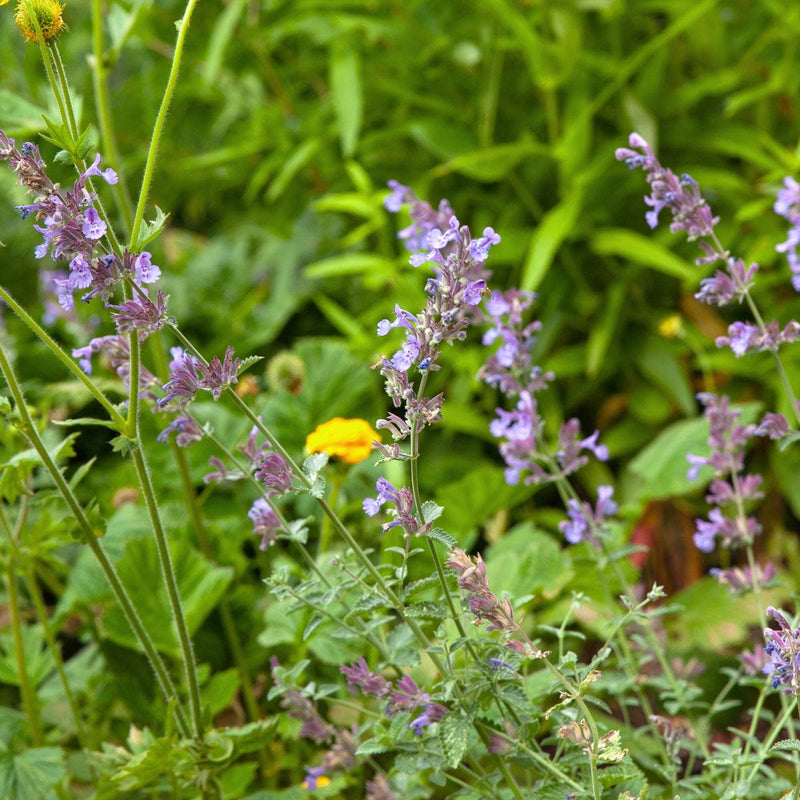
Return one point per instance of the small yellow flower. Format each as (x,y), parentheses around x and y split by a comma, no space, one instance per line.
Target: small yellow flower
(48,15)
(350,439)
(671,326)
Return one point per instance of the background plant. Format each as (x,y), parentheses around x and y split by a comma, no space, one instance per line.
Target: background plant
(287,122)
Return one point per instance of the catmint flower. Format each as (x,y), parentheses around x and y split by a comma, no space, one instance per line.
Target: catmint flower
(407,696)
(265,523)
(142,315)
(186,431)
(379,788)
(488,610)
(300,707)
(403,511)
(754,661)
(773,425)
(787,205)
(743,579)
(116,351)
(584,522)
(680,196)
(453,294)
(273,471)
(724,287)
(359,676)
(730,487)
(188,375)
(783,649)
(745,337)
(184,381)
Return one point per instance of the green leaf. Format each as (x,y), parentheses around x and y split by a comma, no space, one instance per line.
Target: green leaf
(527,561)
(17,113)
(491,164)
(438,535)
(642,250)
(346,93)
(431,511)
(454,730)
(786,744)
(427,609)
(30,775)
(352,264)
(657,359)
(151,229)
(555,227)
(659,470)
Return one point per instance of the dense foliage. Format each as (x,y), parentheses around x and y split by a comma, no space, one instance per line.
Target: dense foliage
(275,609)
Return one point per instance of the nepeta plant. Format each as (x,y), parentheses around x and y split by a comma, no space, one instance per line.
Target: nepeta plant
(409,673)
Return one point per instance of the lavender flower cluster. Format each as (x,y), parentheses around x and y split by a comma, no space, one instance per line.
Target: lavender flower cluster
(73,230)
(403,695)
(691,214)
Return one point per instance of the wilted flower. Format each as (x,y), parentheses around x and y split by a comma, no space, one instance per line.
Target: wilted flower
(349,439)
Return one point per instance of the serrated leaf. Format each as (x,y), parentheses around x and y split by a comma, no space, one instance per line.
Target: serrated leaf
(437,534)
(786,744)
(431,511)
(248,362)
(427,609)
(31,774)
(372,747)
(454,730)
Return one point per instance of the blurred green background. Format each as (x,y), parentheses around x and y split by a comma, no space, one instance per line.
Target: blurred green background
(289,119)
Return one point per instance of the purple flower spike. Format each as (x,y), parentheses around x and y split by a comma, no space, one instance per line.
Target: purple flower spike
(681,196)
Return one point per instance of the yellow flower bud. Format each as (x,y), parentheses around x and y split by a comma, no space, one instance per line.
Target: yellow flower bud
(47,14)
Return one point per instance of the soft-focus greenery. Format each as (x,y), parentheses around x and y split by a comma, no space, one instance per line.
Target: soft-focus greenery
(288,121)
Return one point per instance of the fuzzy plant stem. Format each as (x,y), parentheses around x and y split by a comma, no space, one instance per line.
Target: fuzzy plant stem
(29,430)
(102,103)
(158,127)
(27,690)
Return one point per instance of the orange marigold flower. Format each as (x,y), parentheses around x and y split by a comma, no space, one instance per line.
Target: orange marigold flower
(350,439)
(47,14)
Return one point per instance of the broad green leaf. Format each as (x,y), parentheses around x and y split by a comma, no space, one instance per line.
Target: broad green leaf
(527,561)
(31,774)
(17,113)
(602,333)
(454,731)
(351,264)
(294,162)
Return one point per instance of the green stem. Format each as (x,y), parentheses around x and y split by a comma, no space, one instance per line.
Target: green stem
(147,177)
(29,430)
(64,83)
(105,118)
(171,584)
(27,690)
